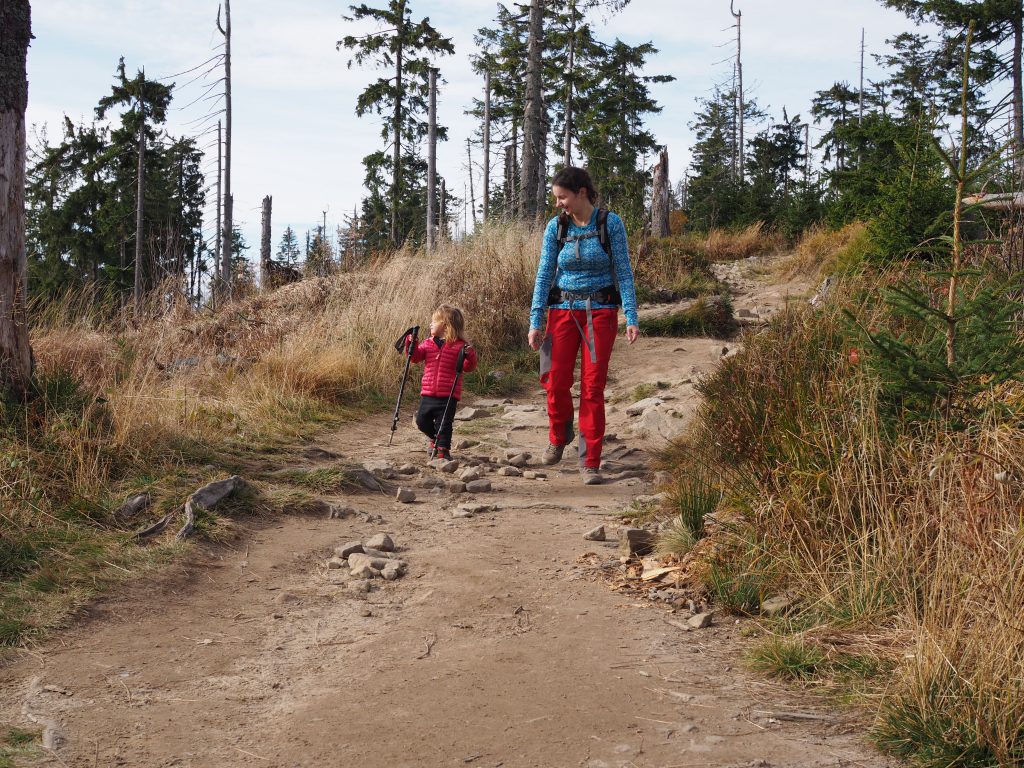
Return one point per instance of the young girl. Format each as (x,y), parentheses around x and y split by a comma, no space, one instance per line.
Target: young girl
(441,387)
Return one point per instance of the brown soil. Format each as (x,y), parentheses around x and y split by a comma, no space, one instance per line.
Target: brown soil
(500,647)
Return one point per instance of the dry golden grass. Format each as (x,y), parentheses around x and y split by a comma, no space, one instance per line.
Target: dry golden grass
(754,240)
(903,543)
(128,407)
(818,249)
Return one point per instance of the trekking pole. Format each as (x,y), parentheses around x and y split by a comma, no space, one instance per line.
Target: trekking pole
(399,345)
(460,363)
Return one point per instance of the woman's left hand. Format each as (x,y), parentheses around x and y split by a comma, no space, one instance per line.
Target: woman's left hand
(632,332)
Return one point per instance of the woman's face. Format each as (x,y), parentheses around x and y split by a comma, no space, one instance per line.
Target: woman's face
(569,201)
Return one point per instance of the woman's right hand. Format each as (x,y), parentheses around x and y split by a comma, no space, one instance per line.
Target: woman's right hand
(535,338)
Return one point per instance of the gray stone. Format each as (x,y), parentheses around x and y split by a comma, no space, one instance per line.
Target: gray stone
(405,495)
(510,472)
(450,466)
(336,562)
(597,534)
(465,445)
(479,486)
(360,587)
(318,454)
(520,460)
(470,474)
(530,474)
(339,513)
(390,572)
(431,482)
(379,468)
(370,552)
(366,479)
(470,509)
(461,512)
(357,560)
(408,469)
(456,486)
(382,542)
(652,500)
(510,452)
(468,414)
(636,542)
(364,571)
(284,598)
(350,548)
(642,405)
(701,620)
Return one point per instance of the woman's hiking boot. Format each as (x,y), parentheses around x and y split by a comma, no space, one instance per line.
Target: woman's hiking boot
(553,454)
(591,476)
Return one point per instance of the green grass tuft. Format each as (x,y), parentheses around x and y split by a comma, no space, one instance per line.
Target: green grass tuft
(788,657)
(705,317)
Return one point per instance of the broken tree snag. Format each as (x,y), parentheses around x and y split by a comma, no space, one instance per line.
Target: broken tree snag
(207,497)
(156,527)
(132,508)
(659,197)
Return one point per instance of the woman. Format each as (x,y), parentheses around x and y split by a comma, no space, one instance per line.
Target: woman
(583,278)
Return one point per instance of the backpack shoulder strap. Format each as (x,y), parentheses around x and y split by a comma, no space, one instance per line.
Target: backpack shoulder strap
(562,233)
(602,231)
(606,241)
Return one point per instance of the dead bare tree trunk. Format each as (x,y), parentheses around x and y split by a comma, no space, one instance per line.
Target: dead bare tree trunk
(140,201)
(15,353)
(487,145)
(738,15)
(218,253)
(510,180)
(472,194)
(442,213)
(659,197)
(228,232)
(533,128)
(265,245)
(396,124)
(432,158)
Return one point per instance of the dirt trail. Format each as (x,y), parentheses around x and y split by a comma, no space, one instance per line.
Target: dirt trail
(497,648)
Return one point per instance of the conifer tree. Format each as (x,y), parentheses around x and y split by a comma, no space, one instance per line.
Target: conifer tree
(612,136)
(406,48)
(288,249)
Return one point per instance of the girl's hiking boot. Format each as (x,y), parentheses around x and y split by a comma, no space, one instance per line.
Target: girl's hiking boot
(442,453)
(591,476)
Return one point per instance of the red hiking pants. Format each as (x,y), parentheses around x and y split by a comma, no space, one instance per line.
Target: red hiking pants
(566,342)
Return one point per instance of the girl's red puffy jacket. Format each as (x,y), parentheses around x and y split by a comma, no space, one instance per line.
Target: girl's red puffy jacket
(439,371)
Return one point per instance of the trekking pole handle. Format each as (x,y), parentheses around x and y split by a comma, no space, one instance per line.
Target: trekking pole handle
(413,331)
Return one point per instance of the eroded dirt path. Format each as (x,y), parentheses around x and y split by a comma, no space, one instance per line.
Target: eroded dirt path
(499,647)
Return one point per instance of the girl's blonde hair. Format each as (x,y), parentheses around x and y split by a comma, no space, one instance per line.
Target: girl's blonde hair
(453,324)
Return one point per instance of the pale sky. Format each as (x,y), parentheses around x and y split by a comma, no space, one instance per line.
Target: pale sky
(296,135)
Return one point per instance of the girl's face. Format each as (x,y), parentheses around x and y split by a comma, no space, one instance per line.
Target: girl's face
(436,323)
(569,201)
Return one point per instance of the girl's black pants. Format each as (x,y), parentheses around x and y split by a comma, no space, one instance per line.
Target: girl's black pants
(434,422)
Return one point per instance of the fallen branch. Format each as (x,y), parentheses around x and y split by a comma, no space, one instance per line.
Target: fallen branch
(206,497)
